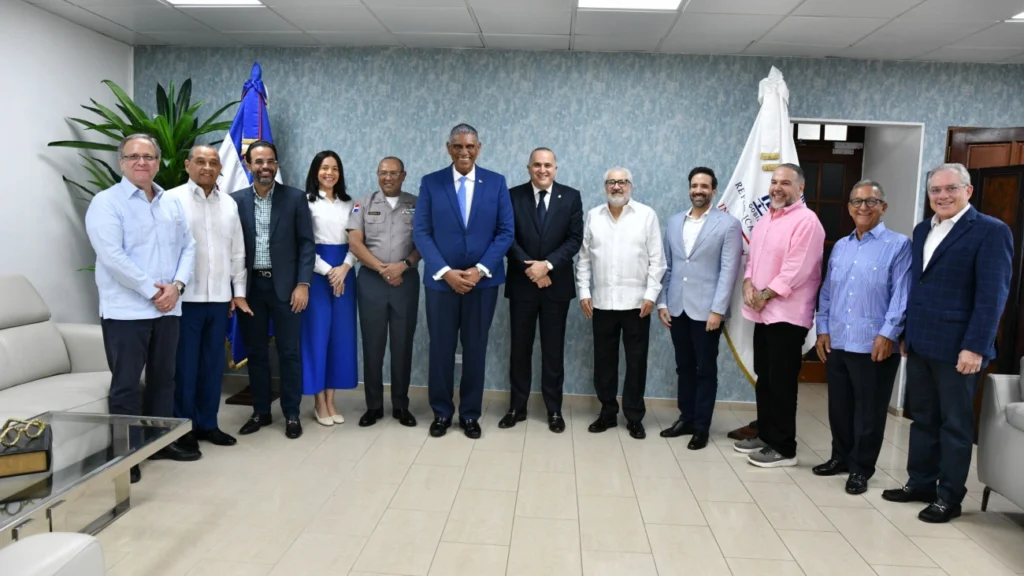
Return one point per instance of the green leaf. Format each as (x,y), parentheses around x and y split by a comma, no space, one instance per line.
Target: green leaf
(113,118)
(203,128)
(162,105)
(104,129)
(86,193)
(132,111)
(84,145)
(184,96)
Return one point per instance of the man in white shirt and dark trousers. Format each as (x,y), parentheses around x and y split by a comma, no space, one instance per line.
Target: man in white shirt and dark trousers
(622,252)
(216,291)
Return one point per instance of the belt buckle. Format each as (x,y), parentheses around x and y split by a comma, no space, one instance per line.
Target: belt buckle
(264,273)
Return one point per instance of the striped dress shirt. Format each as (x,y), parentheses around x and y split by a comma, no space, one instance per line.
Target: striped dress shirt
(865,290)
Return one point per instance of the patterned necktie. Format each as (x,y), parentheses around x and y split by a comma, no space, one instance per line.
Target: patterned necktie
(542,209)
(462,199)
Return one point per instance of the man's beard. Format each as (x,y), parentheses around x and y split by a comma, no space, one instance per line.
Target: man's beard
(699,201)
(618,200)
(265,180)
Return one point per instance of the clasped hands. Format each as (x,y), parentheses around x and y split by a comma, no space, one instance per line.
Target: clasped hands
(462,281)
(166,297)
(537,272)
(752,296)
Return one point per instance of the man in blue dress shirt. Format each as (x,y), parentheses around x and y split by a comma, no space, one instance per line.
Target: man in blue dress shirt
(861,311)
(144,258)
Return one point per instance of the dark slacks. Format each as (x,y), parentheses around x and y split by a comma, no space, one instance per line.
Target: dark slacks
(384,311)
(635,332)
(777,357)
(697,367)
(858,400)
(200,364)
(940,401)
(451,317)
(133,346)
(523,317)
(265,307)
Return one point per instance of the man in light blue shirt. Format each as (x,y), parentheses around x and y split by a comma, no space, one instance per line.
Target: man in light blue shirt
(144,258)
(861,314)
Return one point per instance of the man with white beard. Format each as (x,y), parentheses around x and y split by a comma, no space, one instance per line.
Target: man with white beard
(622,252)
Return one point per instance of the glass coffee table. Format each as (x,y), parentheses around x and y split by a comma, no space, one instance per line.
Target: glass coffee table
(88,485)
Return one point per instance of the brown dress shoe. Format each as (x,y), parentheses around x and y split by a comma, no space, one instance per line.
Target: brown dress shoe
(744,433)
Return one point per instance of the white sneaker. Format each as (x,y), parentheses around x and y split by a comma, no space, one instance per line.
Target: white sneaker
(749,446)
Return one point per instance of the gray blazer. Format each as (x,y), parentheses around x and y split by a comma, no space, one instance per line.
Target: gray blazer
(702,283)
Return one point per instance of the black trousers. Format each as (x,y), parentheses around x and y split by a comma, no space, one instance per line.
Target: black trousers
(133,346)
(777,356)
(523,317)
(940,401)
(635,332)
(386,310)
(266,306)
(697,368)
(858,400)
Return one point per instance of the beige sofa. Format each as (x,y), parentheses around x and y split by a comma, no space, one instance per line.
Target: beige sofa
(54,554)
(1001,438)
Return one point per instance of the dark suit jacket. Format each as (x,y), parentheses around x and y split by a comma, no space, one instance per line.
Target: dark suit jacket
(292,247)
(955,303)
(442,237)
(557,243)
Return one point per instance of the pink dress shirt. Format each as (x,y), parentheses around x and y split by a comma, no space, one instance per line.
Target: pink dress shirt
(786,248)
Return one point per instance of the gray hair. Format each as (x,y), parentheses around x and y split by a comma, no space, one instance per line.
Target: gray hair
(796,169)
(130,137)
(192,150)
(959,169)
(629,175)
(462,129)
(871,183)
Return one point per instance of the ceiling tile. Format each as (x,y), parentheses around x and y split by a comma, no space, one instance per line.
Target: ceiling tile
(240,19)
(505,21)
(822,31)
(965,54)
(356,38)
(525,5)
(273,39)
(780,7)
(1018,59)
(724,27)
(885,51)
(801,50)
(331,18)
(89,20)
(967,10)
(374,4)
(915,36)
(149,17)
(306,3)
(1003,35)
(642,25)
(526,42)
(427,20)
(858,9)
(196,39)
(441,40)
(689,45)
(616,43)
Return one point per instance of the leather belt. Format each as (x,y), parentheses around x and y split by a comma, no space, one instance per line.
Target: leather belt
(264,273)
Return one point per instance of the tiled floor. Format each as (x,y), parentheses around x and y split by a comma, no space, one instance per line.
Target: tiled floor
(524,502)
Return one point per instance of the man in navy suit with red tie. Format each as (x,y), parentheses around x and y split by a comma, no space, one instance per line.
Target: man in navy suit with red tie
(463,227)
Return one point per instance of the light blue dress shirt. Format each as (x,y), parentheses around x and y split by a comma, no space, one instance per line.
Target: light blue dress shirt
(138,244)
(865,290)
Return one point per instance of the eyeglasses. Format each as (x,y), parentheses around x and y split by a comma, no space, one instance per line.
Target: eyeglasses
(611,183)
(392,174)
(14,429)
(952,188)
(261,163)
(871,202)
(133,158)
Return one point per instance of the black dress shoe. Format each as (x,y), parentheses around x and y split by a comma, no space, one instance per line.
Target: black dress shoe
(939,512)
(511,417)
(190,440)
(178,453)
(908,494)
(857,483)
(698,441)
(439,427)
(404,417)
(471,428)
(677,429)
(603,423)
(292,428)
(255,422)
(636,429)
(370,417)
(135,474)
(556,423)
(217,437)
(830,468)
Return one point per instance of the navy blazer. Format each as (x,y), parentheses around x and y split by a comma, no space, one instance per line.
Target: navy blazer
(292,246)
(955,304)
(442,237)
(557,243)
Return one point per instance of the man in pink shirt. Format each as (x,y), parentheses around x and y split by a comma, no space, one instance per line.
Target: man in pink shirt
(780,287)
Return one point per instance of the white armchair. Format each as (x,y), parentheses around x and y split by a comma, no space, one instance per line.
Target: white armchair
(54,554)
(1001,438)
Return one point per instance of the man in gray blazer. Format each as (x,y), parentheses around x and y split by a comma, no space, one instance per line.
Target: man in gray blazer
(702,248)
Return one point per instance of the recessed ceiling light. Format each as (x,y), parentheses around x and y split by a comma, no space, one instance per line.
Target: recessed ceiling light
(631,4)
(215,3)
(1018,17)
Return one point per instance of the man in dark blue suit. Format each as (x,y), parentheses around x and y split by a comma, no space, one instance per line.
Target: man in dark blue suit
(960,278)
(279,256)
(463,227)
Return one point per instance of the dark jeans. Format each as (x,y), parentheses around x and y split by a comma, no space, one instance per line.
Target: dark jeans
(133,346)
(266,306)
(940,401)
(697,367)
(858,400)
(635,332)
(200,364)
(387,310)
(777,356)
(523,317)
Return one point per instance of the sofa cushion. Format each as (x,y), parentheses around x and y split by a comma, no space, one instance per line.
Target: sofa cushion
(1015,415)
(81,392)
(31,352)
(20,304)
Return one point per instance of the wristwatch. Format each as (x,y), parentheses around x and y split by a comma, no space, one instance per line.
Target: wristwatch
(180,287)
(407,263)
(765,295)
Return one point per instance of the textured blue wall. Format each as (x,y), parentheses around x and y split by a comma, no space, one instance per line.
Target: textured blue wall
(658,115)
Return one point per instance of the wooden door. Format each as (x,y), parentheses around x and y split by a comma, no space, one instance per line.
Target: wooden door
(985,147)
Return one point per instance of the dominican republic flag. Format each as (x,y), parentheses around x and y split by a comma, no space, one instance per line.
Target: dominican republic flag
(770,143)
(251,123)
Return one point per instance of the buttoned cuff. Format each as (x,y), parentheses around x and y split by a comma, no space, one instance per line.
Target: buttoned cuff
(584,293)
(652,294)
(440,273)
(891,332)
(662,306)
(239,289)
(147,289)
(483,270)
(321,267)
(821,326)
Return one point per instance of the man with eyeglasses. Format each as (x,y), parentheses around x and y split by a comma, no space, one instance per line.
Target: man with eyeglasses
(388,290)
(960,279)
(861,310)
(144,259)
(279,255)
(622,253)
